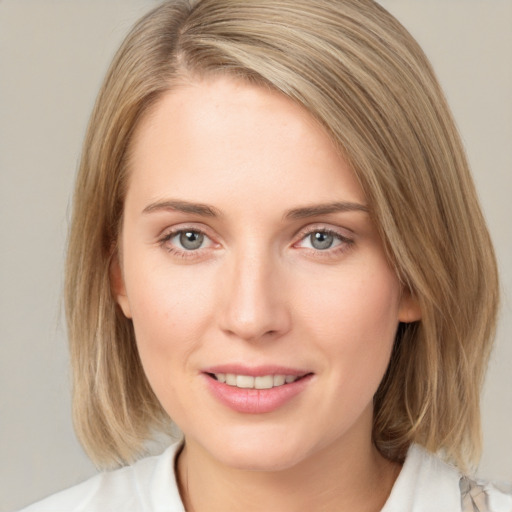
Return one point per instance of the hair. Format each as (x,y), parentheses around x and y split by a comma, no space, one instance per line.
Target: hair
(366,80)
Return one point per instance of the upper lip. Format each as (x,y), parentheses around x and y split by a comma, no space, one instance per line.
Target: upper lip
(255,371)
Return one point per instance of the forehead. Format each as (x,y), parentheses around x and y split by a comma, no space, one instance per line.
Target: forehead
(219,133)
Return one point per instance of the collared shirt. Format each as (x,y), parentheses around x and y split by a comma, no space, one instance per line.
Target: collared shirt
(425,484)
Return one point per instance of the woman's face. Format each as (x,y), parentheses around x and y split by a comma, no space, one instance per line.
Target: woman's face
(248,256)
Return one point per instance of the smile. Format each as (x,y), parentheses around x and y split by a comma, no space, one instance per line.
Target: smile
(250,382)
(266,390)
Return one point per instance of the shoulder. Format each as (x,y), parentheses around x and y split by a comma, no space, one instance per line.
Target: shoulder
(427,483)
(481,496)
(149,484)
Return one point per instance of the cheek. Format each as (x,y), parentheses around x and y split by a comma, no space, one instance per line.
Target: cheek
(165,300)
(354,318)
(169,313)
(360,300)
(165,318)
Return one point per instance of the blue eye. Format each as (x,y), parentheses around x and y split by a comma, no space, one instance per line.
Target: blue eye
(187,243)
(188,240)
(321,240)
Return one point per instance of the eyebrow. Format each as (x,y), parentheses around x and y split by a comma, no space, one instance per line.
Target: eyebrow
(325,209)
(203,210)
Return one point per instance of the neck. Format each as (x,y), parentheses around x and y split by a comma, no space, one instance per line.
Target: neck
(353,477)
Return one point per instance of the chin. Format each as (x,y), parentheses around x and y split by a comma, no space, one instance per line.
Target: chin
(265,460)
(260,453)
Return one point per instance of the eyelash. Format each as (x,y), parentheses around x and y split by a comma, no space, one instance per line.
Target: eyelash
(181,253)
(344,244)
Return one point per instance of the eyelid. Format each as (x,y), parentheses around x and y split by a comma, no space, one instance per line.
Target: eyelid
(345,243)
(345,240)
(324,228)
(170,232)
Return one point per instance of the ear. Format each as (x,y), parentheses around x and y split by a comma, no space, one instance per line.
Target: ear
(118,287)
(409,309)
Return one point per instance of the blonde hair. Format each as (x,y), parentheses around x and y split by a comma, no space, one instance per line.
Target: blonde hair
(361,74)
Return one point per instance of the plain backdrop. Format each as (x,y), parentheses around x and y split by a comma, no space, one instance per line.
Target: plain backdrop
(53,55)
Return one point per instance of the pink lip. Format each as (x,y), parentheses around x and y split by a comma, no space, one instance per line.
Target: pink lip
(256,401)
(255,371)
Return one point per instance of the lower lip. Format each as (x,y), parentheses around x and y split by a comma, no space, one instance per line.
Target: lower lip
(256,401)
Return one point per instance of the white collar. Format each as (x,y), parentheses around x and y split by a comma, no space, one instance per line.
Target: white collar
(425,484)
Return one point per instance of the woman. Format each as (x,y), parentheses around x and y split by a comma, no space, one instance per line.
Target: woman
(276,243)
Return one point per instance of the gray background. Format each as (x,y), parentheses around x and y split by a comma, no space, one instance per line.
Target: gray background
(53,55)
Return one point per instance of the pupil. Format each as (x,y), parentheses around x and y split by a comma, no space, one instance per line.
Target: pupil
(191,240)
(321,240)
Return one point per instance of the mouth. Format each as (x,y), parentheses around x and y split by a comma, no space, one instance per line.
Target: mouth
(256,382)
(257,389)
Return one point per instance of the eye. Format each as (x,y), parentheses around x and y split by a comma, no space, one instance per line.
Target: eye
(189,240)
(186,241)
(323,240)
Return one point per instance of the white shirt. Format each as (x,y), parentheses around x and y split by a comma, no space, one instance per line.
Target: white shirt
(425,484)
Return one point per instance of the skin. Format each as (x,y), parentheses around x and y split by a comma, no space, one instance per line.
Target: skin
(258,292)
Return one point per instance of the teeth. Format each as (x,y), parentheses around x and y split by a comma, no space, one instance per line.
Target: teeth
(264,382)
(231,379)
(279,380)
(244,381)
(249,382)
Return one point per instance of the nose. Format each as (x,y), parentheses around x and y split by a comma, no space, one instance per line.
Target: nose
(254,305)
